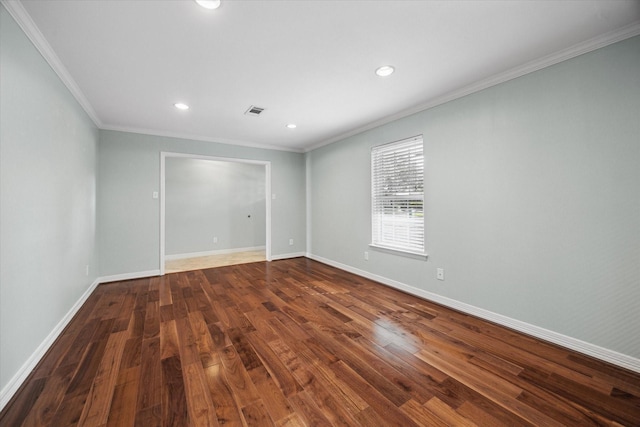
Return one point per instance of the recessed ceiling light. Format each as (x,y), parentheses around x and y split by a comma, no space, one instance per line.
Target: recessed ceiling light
(209,4)
(181,106)
(385,70)
(291,126)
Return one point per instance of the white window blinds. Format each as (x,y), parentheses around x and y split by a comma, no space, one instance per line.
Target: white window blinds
(397,195)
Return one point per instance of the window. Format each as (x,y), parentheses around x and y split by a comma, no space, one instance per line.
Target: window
(397,196)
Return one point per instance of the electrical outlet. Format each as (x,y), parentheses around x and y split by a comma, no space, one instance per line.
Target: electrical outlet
(366,256)
(86,270)
(215,240)
(440,273)
(290,242)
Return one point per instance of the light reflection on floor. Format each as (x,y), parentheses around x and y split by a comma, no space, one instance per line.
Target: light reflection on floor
(386,331)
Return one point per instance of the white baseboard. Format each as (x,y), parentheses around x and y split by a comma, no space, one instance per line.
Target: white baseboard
(286,256)
(604,354)
(209,253)
(14,384)
(593,350)
(129,276)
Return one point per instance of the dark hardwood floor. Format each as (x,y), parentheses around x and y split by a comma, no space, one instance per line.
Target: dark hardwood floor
(298,343)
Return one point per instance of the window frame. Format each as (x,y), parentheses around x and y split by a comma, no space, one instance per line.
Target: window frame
(398,202)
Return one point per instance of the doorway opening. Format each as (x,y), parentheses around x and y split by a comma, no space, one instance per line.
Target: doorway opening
(214,211)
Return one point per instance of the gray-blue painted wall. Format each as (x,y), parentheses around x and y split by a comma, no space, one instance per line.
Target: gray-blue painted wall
(48,149)
(532,199)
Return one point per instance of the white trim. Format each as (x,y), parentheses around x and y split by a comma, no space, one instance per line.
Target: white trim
(209,253)
(162,212)
(129,276)
(21,16)
(268,218)
(400,252)
(25,370)
(287,256)
(214,158)
(610,356)
(23,19)
(308,215)
(601,353)
(578,49)
(267,172)
(184,135)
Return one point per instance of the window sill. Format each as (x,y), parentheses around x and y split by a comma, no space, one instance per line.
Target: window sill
(394,251)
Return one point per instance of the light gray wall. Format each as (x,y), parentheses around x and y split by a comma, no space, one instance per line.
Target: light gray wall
(129,218)
(206,199)
(532,199)
(47,199)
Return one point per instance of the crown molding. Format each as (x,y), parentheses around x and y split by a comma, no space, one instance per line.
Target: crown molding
(182,135)
(26,23)
(587,46)
(22,17)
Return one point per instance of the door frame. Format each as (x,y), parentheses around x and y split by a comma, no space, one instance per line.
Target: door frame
(267,171)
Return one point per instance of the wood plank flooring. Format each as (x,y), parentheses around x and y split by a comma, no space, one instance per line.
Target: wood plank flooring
(298,343)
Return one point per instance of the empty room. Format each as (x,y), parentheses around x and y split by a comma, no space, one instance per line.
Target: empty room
(319,213)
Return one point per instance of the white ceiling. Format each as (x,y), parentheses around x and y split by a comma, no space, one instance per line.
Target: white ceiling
(306,62)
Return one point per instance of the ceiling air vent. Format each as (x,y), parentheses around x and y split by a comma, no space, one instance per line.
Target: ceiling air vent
(254,111)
